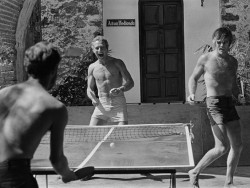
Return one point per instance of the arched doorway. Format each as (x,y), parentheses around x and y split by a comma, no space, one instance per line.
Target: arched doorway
(28,32)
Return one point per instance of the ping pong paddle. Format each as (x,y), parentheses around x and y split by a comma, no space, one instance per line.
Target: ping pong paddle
(85,173)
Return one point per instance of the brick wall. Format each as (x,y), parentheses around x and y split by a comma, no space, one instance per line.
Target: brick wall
(9,13)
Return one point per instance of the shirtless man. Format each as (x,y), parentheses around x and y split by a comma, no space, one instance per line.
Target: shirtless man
(112,79)
(27,112)
(219,70)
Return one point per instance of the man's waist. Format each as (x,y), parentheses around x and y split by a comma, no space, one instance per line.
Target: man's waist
(221,96)
(107,95)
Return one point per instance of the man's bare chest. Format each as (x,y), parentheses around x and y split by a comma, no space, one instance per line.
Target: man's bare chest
(220,67)
(103,73)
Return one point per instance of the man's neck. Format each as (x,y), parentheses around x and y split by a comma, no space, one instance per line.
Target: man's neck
(39,82)
(221,55)
(104,61)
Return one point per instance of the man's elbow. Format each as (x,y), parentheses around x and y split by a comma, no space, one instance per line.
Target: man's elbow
(132,83)
(57,163)
(54,160)
(193,79)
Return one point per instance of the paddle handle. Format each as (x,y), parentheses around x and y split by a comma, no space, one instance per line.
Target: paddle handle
(242,88)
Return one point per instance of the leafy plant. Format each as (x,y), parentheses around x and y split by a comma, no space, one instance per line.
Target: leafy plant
(72,89)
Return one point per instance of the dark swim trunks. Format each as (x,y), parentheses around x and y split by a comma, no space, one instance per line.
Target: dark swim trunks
(16,174)
(221,109)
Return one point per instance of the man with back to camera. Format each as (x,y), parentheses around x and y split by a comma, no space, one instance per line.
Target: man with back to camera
(219,69)
(108,74)
(27,112)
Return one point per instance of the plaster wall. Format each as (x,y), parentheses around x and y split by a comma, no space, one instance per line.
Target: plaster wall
(124,41)
(199,23)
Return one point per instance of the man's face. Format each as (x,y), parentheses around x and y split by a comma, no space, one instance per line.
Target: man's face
(222,45)
(100,50)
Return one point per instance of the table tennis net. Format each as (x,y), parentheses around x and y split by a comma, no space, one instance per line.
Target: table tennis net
(76,134)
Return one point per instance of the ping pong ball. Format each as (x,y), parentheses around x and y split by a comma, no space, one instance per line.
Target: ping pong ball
(112,144)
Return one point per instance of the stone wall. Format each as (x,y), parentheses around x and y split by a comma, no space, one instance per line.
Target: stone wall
(71,26)
(235,14)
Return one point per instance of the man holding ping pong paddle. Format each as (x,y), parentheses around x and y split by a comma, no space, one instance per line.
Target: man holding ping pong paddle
(112,79)
(219,69)
(27,112)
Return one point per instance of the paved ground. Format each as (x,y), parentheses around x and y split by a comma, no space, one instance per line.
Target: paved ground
(211,178)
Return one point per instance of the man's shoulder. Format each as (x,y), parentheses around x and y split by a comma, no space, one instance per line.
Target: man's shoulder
(204,58)
(94,64)
(52,107)
(206,55)
(232,58)
(10,94)
(52,101)
(39,96)
(117,62)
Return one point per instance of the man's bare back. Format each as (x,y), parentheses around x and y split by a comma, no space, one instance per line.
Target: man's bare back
(28,111)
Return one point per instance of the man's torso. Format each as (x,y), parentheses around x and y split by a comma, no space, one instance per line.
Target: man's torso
(26,113)
(219,75)
(107,77)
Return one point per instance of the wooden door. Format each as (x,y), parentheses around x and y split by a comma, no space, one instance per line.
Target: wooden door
(162,51)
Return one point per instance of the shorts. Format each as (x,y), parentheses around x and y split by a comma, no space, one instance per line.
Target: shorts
(113,109)
(221,109)
(16,173)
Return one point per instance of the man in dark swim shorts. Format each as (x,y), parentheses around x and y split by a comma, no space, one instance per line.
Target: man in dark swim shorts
(219,69)
(221,110)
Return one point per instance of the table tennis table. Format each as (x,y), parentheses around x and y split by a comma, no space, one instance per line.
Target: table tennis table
(122,149)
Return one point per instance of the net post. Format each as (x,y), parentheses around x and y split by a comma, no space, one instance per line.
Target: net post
(173,179)
(47,184)
(190,128)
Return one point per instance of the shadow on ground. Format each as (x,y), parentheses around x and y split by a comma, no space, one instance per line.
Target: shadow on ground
(159,178)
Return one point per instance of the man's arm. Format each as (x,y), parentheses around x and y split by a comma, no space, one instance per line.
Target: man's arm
(235,88)
(91,86)
(236,92)
(129,82)
(57,157)
(192,82)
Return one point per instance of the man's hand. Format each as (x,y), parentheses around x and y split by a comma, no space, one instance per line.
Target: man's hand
(190,99)
(70,176)
(116,91)
(241,99)
(95,102)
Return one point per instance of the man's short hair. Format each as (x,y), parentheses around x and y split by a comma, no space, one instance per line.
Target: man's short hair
(222,33)
(101,39)
(41,59)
